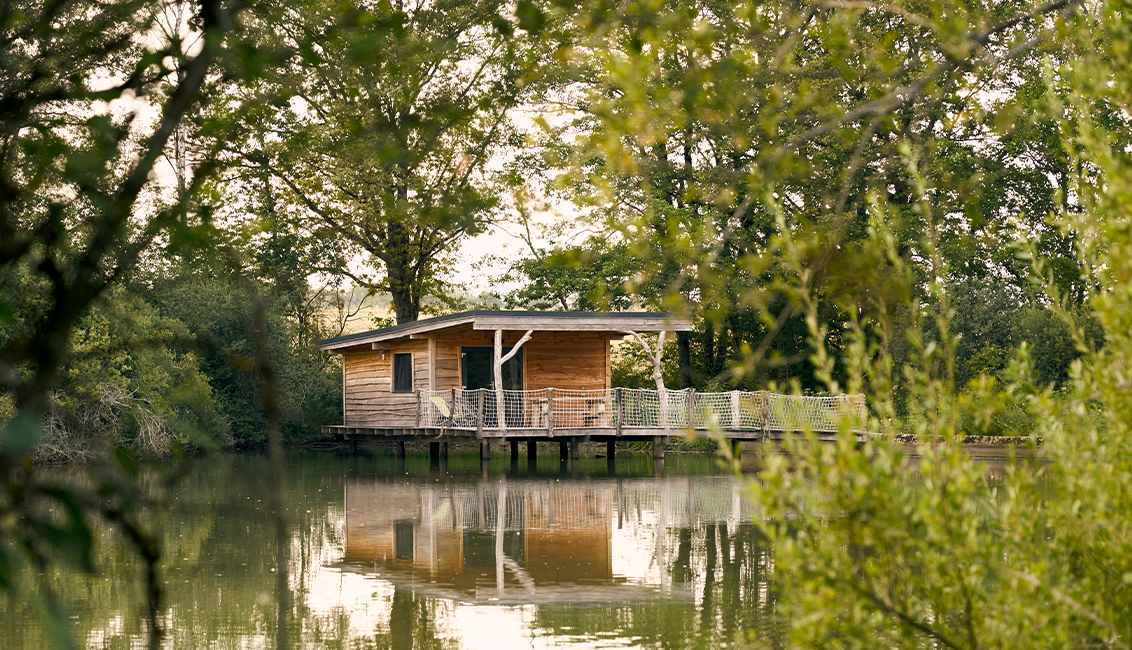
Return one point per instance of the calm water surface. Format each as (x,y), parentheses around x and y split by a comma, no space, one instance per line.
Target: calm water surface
(414,555)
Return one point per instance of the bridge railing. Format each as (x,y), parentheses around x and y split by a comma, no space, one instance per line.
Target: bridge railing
(631,408)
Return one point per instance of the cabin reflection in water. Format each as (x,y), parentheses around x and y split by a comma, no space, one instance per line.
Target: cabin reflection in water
(535,540)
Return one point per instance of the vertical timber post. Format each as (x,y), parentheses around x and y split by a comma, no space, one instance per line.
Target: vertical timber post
(479,413)
(353,447)
(620,409)
(444,451)
(400,449)
(766,414)
(658,447)
(550,412)
(485,451)
(514,450)
(532,454)
(563,451)
(736,414)
(574,449)
(611,455)
(497,380)
(420,407)
(691,407)
(433,451)
(453,411)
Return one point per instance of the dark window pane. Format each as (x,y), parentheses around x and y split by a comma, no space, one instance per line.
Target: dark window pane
(403,540)
(402,373)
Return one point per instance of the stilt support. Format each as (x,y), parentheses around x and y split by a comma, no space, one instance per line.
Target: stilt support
(433,451)
(563,450)
(658,447)
(400,448)
(485,451)
(573,449)
(532,453)
(353,447)
(610,448)
(444,451)
(514,450)
(737,450)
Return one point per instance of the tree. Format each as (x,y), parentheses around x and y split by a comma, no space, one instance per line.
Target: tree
(78,214)
(711,128)
(386,131)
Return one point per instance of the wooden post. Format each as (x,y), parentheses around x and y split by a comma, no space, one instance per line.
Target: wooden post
(497,376)
(610,448)
(532,454)
(691,408)
(479,413)
(500,359)
(620,409)
(444,451)
(434,451)
(563,451)
(737,449)
(400,449)
(514,450)
(736,412)
(420,407)
(550,412)
(573,449)
(658,447)
(485,450)
(766,413)
(353,447)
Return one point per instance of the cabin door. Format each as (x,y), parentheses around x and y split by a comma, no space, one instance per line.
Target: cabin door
(477,370)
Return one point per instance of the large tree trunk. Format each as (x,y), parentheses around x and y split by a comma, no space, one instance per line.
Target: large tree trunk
(404,279)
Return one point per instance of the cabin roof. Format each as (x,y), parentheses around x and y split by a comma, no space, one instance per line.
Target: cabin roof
(539,321)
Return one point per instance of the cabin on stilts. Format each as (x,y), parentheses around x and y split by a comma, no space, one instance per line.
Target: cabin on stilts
(525,375)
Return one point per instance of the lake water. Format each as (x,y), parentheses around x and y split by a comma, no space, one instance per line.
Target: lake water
(388,554)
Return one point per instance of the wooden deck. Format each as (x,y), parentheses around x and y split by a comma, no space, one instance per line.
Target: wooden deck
(583,434)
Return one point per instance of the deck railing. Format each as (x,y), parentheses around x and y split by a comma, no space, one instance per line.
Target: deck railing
(631,408)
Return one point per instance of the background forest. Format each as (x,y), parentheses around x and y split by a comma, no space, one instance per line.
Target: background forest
(922,201)
(357,148)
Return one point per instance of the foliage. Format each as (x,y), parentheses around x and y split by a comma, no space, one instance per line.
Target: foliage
(1033,556)
(587,277)
(380,137)
(696,133)
(218,317)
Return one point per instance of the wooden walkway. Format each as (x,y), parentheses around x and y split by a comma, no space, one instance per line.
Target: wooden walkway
(572,416)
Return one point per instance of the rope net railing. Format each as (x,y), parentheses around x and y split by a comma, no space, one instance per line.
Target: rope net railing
(632,408)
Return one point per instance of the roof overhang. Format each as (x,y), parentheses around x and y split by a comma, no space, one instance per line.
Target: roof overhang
(538,321)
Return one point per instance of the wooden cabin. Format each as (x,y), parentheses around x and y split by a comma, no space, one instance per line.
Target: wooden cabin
(386,370)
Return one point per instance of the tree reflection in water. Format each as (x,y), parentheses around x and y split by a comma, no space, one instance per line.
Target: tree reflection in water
(384,556)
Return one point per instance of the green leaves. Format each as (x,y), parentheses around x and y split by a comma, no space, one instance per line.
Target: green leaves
(531,18)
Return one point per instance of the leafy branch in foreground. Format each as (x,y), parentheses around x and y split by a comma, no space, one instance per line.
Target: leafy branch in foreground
(1030,553)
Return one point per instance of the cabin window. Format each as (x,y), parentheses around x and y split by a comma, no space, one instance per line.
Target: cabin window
(403,373)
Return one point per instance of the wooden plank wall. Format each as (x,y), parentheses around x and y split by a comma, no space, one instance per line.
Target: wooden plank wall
(572,360)
(575,360)
(370,400)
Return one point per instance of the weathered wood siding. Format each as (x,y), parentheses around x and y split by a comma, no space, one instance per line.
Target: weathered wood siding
(574,360)
(370,400)
(570,360)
